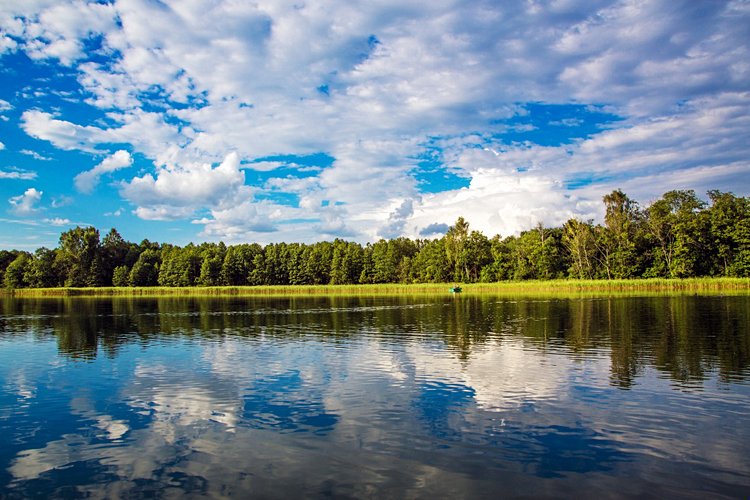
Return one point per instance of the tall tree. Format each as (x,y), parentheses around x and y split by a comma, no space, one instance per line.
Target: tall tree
(238,263)
(6,257)
(145,271)
(679,230)
(41,271)
(78,257)
(476,253)
(578,239)
(16,272)
(211,263)
(455,241)
(114,252)
(617,240)
(430,265)
(729,220)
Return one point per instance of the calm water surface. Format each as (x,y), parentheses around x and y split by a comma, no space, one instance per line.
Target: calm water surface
(460,397)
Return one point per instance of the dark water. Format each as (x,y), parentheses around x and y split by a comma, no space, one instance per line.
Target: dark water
(452,397)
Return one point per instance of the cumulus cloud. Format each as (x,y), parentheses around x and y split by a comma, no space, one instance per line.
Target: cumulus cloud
(394,227)
(379,86)
(498,202)
(60,29)
(26,203)
(178,190)
(85,182)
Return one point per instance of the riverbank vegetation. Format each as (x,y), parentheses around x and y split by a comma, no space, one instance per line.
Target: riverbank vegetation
(678,236)
(531,288)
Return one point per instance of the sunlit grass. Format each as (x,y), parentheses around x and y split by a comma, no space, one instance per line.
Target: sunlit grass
(508,288)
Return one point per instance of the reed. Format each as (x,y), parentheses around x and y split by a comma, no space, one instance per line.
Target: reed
(507,288)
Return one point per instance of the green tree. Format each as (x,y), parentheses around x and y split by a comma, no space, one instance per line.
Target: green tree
(538,254)
(258,275)
(430,264)
(680,232)
(616,240)
(114,253)
(121,276)
(318,263)
(729,221)
(41,270)
(15,273)
(346,262)
(455,241)
(180,266)
(384,263)
(238,264)
(6,257)
(211,264)
(145,271)
(368,266)
(501,266)
(476,253)
(578,240)
(78,257)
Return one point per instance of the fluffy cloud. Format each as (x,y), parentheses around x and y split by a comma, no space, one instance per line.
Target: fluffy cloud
(178,190)
(25,204)
(85,182)
(145,131)
(378,86)
(59,30)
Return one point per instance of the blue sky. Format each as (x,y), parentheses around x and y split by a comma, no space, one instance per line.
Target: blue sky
(291,121)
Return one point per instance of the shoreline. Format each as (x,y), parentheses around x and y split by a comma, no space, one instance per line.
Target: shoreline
(709,286)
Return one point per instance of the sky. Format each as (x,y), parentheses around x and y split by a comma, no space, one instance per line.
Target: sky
(267,121)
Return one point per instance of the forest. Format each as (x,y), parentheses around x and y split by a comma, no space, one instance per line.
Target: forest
(676,236)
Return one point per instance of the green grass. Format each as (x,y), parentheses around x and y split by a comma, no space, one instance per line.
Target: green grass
(508,288)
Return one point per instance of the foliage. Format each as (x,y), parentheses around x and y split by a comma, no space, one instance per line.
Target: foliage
(121,276)
(15,273)
(677,236)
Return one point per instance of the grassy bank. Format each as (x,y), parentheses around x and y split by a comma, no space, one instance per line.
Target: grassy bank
(511,288)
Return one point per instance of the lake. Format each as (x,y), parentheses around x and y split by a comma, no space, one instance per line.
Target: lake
(375,397)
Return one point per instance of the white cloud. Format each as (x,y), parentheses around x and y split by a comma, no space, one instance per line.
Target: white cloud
(5,106)
(61,201)
(62,134)
(376,85)
(146,131)
(500,202)
(2,146)
(18,173)
(58,221)
(60,29)
(116,213)
(7,44)
(85,182)
(35,155)
(25,204)
(178,190)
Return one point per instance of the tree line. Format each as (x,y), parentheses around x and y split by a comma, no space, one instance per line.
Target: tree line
(677,236)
